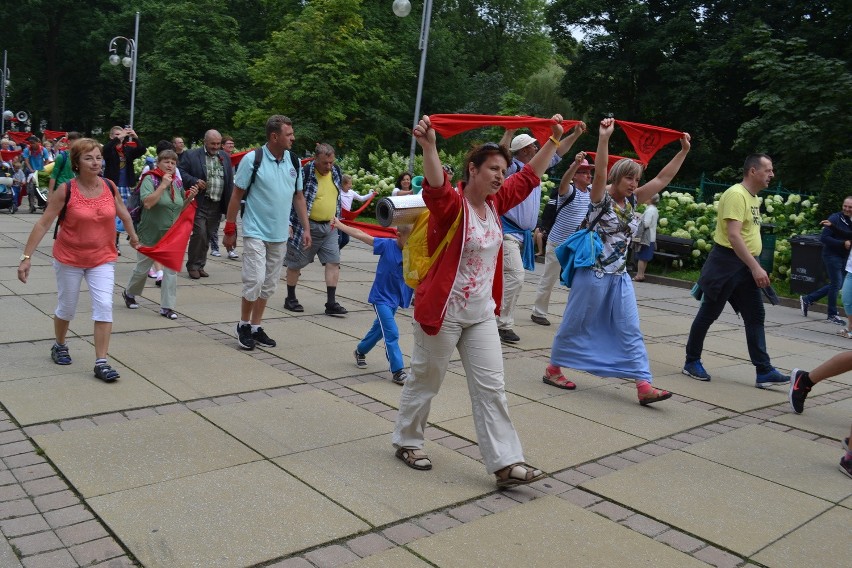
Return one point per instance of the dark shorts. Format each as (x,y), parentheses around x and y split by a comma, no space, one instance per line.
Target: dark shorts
(646,252)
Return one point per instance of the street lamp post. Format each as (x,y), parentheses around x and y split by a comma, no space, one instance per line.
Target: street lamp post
(402,8)
(131,51)
(3,85)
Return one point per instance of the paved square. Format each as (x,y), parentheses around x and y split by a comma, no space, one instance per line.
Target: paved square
(229,518)
(547,532)
(709,500)
(296,423)
(142,452)
(822,542)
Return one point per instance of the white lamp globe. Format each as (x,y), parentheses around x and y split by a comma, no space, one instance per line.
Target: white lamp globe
(401,8)
(126,61)
(114,59)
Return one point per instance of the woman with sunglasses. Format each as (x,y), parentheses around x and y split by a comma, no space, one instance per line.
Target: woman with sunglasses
(459,297)
(600,331)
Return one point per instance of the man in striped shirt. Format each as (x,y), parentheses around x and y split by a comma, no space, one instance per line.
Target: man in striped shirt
(572,204)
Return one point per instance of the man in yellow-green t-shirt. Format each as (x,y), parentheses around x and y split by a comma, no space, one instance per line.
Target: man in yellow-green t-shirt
(733,274)
(322,194)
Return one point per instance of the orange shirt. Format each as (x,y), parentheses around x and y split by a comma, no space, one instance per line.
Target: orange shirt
(87,234)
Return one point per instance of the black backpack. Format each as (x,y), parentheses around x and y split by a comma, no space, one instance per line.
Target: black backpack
(551,211)
(258,159)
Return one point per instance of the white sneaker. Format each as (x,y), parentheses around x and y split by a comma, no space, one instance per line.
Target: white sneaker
(216,253)
(232,254)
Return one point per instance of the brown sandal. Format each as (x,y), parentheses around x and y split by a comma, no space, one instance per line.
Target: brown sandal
(517,474)
(414,458)
(656,395)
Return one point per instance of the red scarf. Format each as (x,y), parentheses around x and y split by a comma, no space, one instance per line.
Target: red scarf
(448,125)
(170,249)
(19,137)
(157,172)
(612,160)
(647,139)
(53,134)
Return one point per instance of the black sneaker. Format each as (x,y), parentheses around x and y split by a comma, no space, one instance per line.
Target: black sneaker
(260,338)
(400,377)
(335,309)
(360,359)
(508,336)
(798,391)
(846,466)
(244,336)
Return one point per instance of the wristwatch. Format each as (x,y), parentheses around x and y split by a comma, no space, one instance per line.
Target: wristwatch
(25,257)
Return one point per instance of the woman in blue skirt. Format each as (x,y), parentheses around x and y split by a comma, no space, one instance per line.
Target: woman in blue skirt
(600,331)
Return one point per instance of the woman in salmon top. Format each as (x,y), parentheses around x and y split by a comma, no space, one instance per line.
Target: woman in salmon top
(84,249)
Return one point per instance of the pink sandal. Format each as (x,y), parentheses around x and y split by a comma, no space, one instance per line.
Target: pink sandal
(559,381)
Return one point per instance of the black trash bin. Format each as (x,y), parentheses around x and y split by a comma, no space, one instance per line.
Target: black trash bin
(807,272)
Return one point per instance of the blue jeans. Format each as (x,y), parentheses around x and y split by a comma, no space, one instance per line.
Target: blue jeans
(384,327)
(835,266)
(748,298)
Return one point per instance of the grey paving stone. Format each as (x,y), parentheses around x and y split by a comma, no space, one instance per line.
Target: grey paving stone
(111,418)
(17,508)
(580,498)
(615,462)
(140,413)
(81,532)
(120,562)
(76,424)
(551,486)
(331,556)
(55,559)
(225,400)
(437,522)
(7,478)
(369,544)
(22,460)
(23,525)
(719,558)
(595,469)
(57,500)
(37,471)
(467,513)
(453,442)
(171,408)
(523,493)
(644,525)
(36,543)
(95,551)
(687,438)
(679,540)
(295,562)
(67,516)
(15,448)
(12,436)
(718,428)
(611,511)
(404,533)
(635,456)
(572,477)
(496,502)
(654,449)
(11,493)
(199,404)
(672,444)
(44,486)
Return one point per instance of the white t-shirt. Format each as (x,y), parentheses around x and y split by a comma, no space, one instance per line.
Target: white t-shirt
(347,196)
(471,298)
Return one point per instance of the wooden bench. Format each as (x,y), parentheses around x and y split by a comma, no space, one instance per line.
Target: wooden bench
(670,248)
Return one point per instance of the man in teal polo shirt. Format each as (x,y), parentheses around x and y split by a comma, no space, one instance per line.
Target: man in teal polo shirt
(277,188)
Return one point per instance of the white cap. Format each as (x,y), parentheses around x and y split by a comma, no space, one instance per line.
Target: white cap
(521,141)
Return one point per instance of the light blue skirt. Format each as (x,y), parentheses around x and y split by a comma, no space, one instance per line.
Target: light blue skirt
(600,331)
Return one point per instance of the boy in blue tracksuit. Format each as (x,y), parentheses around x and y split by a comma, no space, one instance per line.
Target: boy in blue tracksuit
(388,293)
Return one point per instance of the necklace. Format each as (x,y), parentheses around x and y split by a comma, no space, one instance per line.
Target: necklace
(87,188)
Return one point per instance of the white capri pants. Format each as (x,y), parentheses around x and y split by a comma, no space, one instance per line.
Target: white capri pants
(101,282)
(482,357)
(262,262)
(513,281)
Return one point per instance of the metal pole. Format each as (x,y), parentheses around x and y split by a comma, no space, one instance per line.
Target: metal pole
(3,87)
(133,56)
(424,44)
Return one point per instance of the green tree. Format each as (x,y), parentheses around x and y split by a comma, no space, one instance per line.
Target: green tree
(193,76)
(802,101)
(331,74)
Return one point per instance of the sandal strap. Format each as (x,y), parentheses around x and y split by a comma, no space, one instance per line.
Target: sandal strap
(106,373)
(527,472)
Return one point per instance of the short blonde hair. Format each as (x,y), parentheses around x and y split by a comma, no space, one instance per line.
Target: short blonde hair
(80,147)
(623,168)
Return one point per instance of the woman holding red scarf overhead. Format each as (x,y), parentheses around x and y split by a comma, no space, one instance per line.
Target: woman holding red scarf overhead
(459,298)
(600,333)
(163,198)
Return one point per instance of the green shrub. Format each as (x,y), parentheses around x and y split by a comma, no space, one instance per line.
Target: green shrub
(837,186)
